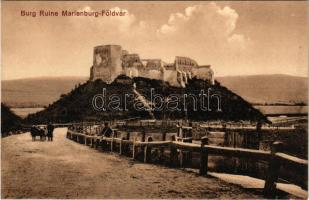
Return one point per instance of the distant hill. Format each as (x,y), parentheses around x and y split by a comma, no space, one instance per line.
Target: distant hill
(270,89)
(37,92)
(258,89)
(77,105)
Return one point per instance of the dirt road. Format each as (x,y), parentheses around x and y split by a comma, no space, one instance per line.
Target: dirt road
(65,169)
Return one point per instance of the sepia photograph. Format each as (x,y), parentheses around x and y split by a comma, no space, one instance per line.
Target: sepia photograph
(154,99)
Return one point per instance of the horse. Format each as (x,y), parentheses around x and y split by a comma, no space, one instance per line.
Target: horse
(37,131)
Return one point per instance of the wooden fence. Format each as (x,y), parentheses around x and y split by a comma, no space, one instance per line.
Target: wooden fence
(180,151)
(217,125)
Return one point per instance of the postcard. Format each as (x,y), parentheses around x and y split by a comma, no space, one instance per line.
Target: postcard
(154,99)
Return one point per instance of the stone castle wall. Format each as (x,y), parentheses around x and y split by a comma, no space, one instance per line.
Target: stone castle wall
(110,61)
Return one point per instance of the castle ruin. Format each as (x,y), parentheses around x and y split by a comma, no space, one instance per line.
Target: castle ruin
(110,61)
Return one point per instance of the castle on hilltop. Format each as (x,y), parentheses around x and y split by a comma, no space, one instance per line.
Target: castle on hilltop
(110,61)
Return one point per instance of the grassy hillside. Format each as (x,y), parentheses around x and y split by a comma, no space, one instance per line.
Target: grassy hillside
(271,89)
(259,89)
(77,104)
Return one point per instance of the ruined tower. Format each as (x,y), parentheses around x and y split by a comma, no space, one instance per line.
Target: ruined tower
(106,63)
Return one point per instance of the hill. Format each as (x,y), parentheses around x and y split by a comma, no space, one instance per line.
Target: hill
(78,104)
(9,121)
(259,89)
(37,92)
(270,89)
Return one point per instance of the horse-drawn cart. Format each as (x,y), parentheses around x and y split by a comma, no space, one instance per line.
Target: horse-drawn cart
(38,131)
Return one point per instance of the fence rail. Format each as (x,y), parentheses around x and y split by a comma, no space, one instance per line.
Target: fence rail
(178,149)
(173,123)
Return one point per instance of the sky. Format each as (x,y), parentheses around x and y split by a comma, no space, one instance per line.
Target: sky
(235,38)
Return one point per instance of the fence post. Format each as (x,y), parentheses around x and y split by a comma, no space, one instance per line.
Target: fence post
(204,157)
(128,136)
(147,151)
(143,139)
(179,130)
(91,142)
(189,153)
(181,158)
(173,153)
(96,142)
(234,139)
(134,153)
(120,147)
(163,139)
(164,135)
(112,144)
(115,133)
(143,135)
(273,171)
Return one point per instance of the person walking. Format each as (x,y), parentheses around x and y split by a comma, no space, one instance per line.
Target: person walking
(50,130)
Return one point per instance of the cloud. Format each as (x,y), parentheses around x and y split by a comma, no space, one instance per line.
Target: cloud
(238,40)
(205,32)
(197,27)
(208,22)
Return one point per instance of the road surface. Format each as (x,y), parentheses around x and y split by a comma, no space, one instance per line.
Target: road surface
(65,169)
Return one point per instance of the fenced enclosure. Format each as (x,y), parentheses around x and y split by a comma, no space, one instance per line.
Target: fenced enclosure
(176,149)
